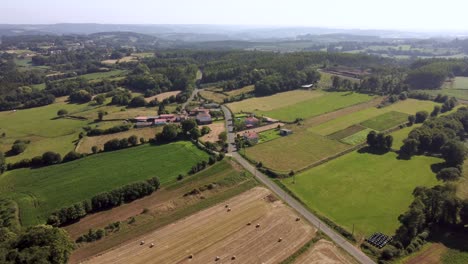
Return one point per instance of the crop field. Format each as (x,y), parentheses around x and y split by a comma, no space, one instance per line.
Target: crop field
(217,232)
(295,151)
(39,192)
(459,83)
(357,138)
(386,121)
(349,131)
(365,190)
(275,101)
(324,252)
(288,107)
(85,145)
(408,106)
(217,95)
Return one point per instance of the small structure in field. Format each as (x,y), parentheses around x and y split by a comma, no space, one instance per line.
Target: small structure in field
(307,86)
(285,132)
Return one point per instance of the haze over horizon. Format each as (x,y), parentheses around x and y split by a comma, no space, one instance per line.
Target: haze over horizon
(359,14)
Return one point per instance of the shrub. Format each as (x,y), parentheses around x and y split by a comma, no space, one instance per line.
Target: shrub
(421,116)
(50,158)
(62,112)
(18,148)
(72,155)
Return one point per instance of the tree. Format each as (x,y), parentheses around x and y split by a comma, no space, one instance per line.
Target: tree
(409,148)
(464,212)
(62,112)
(222,136)
(371,138)
(81,96)
(421,116)
(188,125)
(101,115)
(94,149)
(18,147)
(195,133)
(72,155)
(454,153)
(205,130)
(133,140)
(388,142)
(44,244)
(436,111)
(138,101)
(449,174)
(2,162)
(411,119)
(170,132)
(50,158)
(100,99)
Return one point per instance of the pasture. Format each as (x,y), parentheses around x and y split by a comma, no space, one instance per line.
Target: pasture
(409,106)
(217,95)
(288,106)
(217,232)
(294,152)
(365,190)
(357,138)
(39,192)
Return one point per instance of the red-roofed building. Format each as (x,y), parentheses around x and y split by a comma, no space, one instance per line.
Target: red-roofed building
(251,137)
(141,118)
(251,121)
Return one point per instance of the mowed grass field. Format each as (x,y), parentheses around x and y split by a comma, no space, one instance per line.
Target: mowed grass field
(386,121)
(39,192)
(365,190)
(294,152)
(290,105)
(409,106)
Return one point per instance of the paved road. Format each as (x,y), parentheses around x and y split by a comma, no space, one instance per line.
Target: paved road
(338,239)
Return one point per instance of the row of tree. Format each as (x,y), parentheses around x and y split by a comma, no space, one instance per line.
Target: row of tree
(104,201)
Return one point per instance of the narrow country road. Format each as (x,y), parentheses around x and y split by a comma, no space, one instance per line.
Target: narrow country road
(338,239)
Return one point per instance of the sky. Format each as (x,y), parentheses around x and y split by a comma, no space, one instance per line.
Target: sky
(427,15)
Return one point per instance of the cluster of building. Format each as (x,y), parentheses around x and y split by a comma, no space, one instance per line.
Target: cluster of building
(201,115)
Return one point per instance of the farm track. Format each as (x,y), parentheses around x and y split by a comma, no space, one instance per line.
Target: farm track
(301,209)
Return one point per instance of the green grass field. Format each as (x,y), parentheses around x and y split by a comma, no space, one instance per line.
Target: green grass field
(327,103)
(39,192)
(458,83)
(408,106)
(365,190)
(402,134)
(386,121)
(357,138)
(294,152)
(268,135)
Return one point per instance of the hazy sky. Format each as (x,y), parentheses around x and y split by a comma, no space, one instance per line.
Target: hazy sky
(366,14)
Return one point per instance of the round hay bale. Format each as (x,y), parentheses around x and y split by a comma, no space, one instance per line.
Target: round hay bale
(217,258)
(298,219)
(226,206)
(257,226)
(249,223)
(152,245)
(229,209)
(233,257)
(142,242)
(190,256)
(280,239)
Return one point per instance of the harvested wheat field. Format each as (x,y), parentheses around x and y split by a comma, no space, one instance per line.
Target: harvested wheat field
(87,143)
(323,252)
(216,129)
(223,233)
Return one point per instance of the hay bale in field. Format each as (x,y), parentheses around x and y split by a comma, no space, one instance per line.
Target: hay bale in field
(298,219)
(257,226)
(142,242)
(226,206)
(249,223)
(233,257)
(229,209)
(217,258)
(152,245)
(280,239)
(190,256)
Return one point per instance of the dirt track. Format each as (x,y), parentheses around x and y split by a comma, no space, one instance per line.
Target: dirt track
(323,252)
(217,232)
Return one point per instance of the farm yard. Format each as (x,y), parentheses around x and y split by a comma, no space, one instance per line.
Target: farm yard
(216,129)
(218,232)
(365,190)
(39,192)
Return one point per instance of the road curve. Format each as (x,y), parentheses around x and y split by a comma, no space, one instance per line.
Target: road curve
(302,210)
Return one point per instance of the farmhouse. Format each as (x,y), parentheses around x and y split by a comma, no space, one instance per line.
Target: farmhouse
(143,124)
(285,132)
(204,118)
(197,111)
(159,122)
(251,137)
(251,122)
(141,119)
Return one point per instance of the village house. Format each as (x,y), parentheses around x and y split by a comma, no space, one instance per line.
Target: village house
(251,137)
(204,118)
(251,122)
